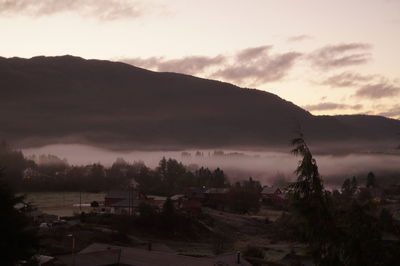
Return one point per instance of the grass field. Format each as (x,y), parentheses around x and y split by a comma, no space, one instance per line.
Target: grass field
(62,203)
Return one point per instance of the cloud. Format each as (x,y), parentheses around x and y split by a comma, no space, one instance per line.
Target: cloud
(347,79)
(299,38)
(188,65)
(254,65)
(368,86)
(99,9)
(265,68)
(252,53)
(341,55)
(382,89)
(393,112)
(331,106)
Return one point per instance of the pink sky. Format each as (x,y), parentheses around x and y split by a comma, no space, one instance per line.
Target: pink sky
(330,57)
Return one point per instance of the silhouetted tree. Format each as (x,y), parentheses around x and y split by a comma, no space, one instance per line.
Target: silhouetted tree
(312,205)
(387,222)
(18,239)
(360,241)
(371,180)
(147,214)
(349,233)
(252,184)
(168,216)
(349,187)
(203,177)
(219,179)
(14,164)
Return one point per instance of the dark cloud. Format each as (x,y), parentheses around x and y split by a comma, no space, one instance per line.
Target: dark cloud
(100,9)
(341,55)
(382,89)
(347,79)
(255,65)
(188,65)
(299,38)
(331,106)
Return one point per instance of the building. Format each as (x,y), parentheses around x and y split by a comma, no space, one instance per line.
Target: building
(371,193)
(99,254)
(182,202)
(216,198)
(124,201)
(273,196)
(195,193)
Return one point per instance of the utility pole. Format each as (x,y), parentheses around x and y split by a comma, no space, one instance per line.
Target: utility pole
(132,198)
(73,250)
(129,201)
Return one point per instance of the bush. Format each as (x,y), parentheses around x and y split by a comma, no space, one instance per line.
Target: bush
(253,252)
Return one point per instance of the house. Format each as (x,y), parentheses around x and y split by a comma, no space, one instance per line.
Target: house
(393,190)
(373,193)
(99,254)
(216,197)
(30,173)
(192,204)
(271,190)
(156,201)
(115,196)
(177,200)
(124,201)
(273,196)
(195,193)
(177,197)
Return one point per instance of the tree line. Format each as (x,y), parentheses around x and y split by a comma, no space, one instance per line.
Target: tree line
(50,173)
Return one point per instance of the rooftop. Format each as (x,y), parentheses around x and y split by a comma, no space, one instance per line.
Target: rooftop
(99,254)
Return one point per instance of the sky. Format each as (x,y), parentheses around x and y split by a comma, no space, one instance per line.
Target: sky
(329,57)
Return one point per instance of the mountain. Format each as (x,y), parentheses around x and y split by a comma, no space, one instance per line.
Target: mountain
(66,99)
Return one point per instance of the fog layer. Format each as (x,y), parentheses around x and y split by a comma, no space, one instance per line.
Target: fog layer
(264,166)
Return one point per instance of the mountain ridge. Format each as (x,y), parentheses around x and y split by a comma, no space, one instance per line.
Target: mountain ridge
(68,99)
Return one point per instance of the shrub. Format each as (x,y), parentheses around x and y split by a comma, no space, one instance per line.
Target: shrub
(254,252)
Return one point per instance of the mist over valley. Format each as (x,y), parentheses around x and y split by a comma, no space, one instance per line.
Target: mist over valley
(268,167)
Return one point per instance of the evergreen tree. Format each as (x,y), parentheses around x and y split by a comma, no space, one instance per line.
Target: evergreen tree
(346,188)
(18,240)
(312,205)
(347,234)
(371,180)
(168,216)
(349,187)
(354,185)
(219,179)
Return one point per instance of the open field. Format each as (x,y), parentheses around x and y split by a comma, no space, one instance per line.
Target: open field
(62,203)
